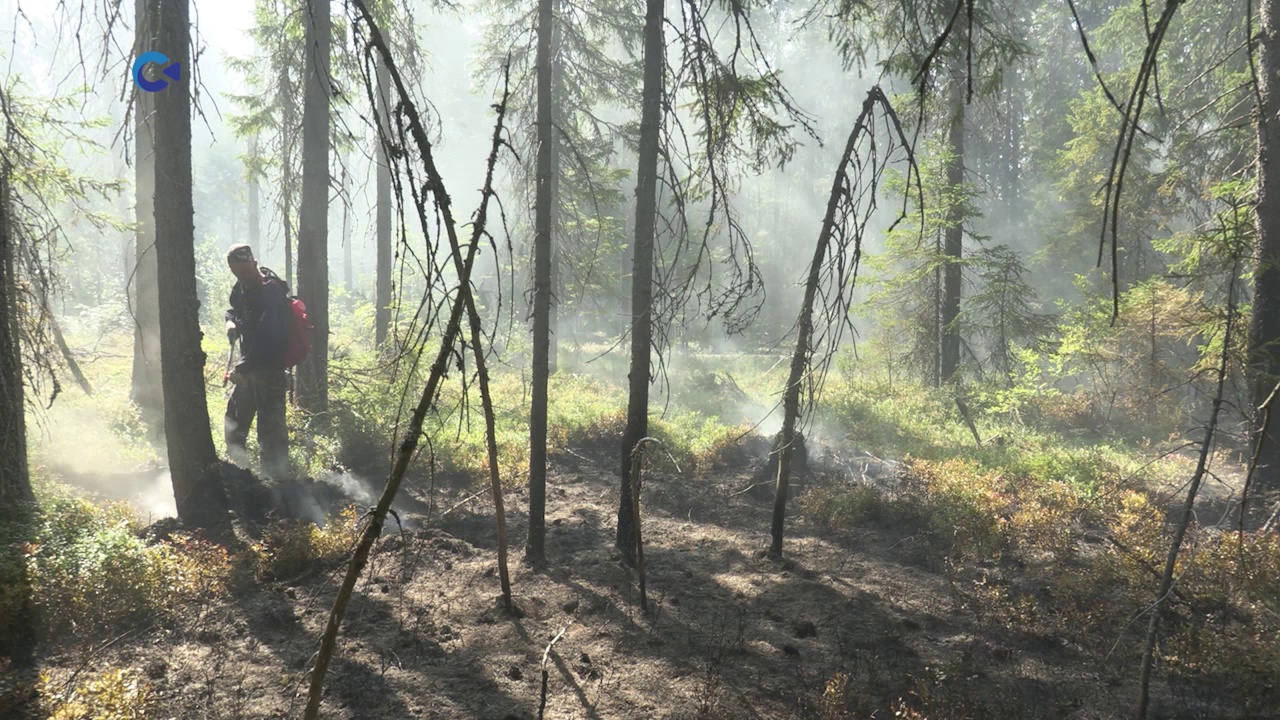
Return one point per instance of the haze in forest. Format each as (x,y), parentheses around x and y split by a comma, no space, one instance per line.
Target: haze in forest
(607,358)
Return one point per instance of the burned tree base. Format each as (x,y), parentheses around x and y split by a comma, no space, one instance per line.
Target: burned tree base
(764,482)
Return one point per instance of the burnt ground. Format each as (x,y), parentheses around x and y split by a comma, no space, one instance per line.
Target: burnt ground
(732,633)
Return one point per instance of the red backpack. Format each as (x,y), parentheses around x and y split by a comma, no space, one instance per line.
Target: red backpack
(300,327)
(298,343)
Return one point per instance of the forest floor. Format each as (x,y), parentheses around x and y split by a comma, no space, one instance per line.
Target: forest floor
(871,621)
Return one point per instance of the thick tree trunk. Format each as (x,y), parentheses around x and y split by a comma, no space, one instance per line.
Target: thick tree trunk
(313,235)
(193,462)
(642,266)
(953,242)
(542,254)
(382,293)
(145,389)
(15,485)
(1264,327)
(17,636)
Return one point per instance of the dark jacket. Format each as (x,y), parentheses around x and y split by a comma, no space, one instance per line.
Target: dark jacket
(261,316)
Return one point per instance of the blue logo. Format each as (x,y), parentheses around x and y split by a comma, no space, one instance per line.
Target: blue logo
(174,71)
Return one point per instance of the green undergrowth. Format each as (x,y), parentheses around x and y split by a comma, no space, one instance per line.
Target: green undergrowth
(1061,534)
(900,420)
(583,412)
(84,570)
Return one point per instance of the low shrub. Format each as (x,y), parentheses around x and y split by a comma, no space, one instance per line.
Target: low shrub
(119,694)
(291,547)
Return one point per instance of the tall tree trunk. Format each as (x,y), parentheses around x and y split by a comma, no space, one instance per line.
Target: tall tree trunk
(255,203)
(15,484)
(1013,199)
(642,266)
(193,462)
(348,272)
(145,389)
(288,113)
(1264,326)
(542,254)
(553,316)
(382,292)
(953,240)
(313,235)
(935,317)
(17,637)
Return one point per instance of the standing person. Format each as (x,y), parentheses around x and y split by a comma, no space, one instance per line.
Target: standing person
(259,318)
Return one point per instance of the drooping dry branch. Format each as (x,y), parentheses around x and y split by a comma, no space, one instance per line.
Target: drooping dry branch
(1188,505)
(1093,63)
(439,368)
(546,655)
(850,206)
(1131,116)
(1265,409)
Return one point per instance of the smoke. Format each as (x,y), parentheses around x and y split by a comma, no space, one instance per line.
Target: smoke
(352,486)
(156,499)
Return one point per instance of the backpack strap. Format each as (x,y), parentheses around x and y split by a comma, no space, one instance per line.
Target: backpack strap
(271,276)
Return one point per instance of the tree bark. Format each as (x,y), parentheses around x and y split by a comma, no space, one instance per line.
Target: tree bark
(313,234)
(800,358)
(17,635)
(553,209)
(255,203)
(953,239)
(348,269)
(542,253)
(193,462)
(146,390)
(1264,326)
(642,265)
(288,112)
(382,292)
(408,446)
(15,484)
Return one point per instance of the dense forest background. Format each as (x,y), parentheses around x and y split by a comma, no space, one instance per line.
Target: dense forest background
(817,359)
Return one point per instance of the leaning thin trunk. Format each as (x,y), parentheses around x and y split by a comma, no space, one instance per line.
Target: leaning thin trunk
(802,356)
(193,462)
(642,265)
(1264,328)
(408,446)
(1188,508)
(313,234)
(490,433)
(542,254)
